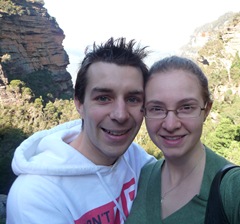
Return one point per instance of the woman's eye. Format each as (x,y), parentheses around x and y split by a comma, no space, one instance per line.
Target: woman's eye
(156,109)
(186,108)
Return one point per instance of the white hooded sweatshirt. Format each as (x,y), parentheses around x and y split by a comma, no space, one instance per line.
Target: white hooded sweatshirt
(56,184)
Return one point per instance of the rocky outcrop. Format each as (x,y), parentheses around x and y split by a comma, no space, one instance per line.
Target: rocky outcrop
(216,46)
(231,36)
(225,29)
(33,40)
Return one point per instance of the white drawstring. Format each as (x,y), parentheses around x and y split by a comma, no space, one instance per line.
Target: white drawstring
(134,174)
(110,193)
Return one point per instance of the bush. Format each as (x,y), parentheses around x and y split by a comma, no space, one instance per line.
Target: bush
(10,138)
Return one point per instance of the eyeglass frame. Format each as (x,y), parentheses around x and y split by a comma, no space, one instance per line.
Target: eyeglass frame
(175,112)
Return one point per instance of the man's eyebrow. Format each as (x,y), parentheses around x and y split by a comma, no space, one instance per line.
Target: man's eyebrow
(136,92)
(101,90)
(107,90)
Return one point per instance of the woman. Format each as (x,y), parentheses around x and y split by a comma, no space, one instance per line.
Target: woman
(175,190)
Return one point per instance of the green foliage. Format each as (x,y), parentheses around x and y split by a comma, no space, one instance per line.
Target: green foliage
(39,84)
(229,108)
(216,77)
(32,117)
(10,8)
(224,139)
(213,47)
(144,140)
(225,132)
(16,86)
(38,103)
(43,85)
(234,152)
(41,2)
(27,94)
(235,69)
(10,138)
(15,7)
(19,122)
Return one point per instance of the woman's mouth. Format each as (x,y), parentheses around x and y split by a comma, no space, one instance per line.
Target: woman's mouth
(173,137)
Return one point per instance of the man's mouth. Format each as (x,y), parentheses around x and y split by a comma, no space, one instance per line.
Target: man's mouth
(114,132)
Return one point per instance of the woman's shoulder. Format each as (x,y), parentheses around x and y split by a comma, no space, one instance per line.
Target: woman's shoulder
(232,178)
(230,189)
(152,167)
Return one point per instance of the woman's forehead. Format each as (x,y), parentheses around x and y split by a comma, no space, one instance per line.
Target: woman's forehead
(173,77)
(174,85)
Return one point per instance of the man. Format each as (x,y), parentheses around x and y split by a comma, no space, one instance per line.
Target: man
(86,171)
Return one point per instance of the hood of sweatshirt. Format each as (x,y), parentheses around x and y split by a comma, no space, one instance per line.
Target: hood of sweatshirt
(47,152)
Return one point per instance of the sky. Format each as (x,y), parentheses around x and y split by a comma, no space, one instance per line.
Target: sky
(164,26)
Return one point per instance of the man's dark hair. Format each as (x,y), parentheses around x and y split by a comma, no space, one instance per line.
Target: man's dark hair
(116,51)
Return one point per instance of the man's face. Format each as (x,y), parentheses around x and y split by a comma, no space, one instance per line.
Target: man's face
(111,111)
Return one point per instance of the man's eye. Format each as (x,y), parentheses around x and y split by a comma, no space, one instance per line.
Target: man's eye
(102,98)
(134,100)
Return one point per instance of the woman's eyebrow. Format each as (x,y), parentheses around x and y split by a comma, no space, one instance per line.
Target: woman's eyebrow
(157,102)
(188,100)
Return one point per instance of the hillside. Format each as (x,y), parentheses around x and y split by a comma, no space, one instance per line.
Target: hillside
(226,29)
(31,50)
(216,47)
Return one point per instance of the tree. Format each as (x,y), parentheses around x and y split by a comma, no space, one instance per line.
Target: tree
(235,69)
(223,139)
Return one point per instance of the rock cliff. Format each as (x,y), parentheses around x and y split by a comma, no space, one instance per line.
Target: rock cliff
(31,41)
(225,30)
(216,46)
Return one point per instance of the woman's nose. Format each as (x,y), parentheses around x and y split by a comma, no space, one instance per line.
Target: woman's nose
(171,121)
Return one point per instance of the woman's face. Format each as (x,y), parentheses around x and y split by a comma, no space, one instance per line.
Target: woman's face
(171,90)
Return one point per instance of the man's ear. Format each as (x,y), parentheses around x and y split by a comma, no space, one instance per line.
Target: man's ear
(208,109)
(79,107)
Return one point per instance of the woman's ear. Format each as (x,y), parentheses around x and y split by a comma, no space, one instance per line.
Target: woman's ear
(208,109)
(79,107)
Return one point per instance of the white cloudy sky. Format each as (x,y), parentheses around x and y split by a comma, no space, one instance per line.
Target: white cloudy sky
(163,25)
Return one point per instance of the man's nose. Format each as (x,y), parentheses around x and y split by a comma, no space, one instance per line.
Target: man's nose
(120,111)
